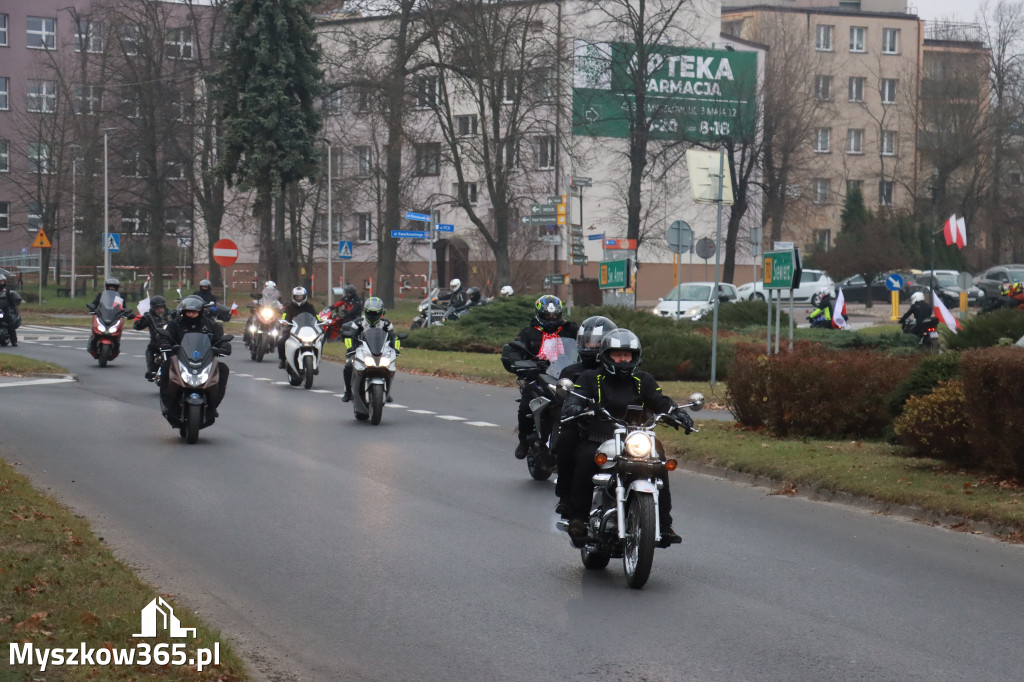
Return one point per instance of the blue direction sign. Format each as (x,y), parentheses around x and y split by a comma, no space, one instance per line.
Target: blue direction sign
(894,282)
(444,227)
(408,234)
(113,242)
(421,217)
(345,250)
(595,237)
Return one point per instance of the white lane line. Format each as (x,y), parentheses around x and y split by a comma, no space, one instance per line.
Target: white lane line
(241,374)
(37,382)
(422,412)
(320,390)
(397,406)
(481,424)
(281,383)
(261,379)
(451,417)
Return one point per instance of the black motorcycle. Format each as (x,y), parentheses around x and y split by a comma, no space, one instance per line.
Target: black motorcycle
(193,368)
(926,331)
(5,335)
(433,309)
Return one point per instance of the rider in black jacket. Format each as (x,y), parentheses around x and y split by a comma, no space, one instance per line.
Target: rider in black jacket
(616,385)
(153,320)
(545,328)
(920,310)
(192,319)
(299,304)
(9,302)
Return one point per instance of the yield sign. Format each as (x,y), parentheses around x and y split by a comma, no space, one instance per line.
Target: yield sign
(41,240)
(225,252)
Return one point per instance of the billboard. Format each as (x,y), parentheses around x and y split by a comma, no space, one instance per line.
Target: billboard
(691,94)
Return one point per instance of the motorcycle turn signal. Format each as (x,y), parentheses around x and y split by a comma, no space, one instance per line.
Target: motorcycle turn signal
(671,464)
(601,459)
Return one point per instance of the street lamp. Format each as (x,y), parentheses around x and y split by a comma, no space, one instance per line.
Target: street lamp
(106,206)
(330,227)
(74,184)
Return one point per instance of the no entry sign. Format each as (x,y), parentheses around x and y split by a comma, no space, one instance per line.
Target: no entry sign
(225,252)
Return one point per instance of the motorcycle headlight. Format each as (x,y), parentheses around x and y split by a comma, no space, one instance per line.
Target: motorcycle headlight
(267,314)
(193,377)
(639,445)
(307,335)
(100,327)
(117,325)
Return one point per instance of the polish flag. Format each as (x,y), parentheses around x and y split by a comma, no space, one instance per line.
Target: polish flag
(961,233)
(944,315)
(839,314)
(949,230)
(234,308)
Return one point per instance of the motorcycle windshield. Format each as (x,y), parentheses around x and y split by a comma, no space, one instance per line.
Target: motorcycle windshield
(567,356)
(196,349)
(110,307)
(375,339)
(304,320)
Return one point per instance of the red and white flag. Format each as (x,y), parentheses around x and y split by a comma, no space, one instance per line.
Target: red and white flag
(943,314)
(234,308)
(839,314)
(949,230)
(961,233)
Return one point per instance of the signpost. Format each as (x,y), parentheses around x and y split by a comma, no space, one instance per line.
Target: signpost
(225,253)
(614,274)
(680,239)
(113,241)
(781,270)
(409,234)
(443,227)
(419,217)
(894,283)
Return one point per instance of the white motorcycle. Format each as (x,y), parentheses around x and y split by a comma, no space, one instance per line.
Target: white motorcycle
(302,349)
(373,369)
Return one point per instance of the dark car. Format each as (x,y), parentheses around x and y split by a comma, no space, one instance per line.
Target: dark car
(855,291)
(990,280)
(947,285)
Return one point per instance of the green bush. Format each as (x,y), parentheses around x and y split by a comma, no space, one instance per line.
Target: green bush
(994,380)
(936,425)
(986,330)
(929,372)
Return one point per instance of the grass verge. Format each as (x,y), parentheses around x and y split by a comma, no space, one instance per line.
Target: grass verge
(18,365)
(60,587)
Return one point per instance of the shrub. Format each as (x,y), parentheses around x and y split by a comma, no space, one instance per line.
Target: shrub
(746,393)
(994,380)
(931,370)
(936,425)
(985,330)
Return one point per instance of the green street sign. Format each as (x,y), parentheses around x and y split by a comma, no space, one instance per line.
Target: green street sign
(782,269)
(614,274)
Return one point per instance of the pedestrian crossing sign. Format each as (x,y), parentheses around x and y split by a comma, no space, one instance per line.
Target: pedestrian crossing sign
(113,242)
(345,250)
(41,241)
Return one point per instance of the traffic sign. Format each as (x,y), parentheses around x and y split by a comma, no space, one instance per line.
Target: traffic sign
(345,250)
(627,244)
(225,252)
(680,236)
(580,260)
(420,217)
(595,237)
(443,227)
(705,248)
(41,241)
(554,280)
(782,269)
(539,220)
(580,181)
(544,209)
(408,234)
(613,274)
(894,282)
(113,242)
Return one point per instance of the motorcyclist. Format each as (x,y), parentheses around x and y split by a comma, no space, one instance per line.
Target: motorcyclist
(473,298)
(540,339)
(822,301)
(349,307)
(192,319)
(615,385)
(565,441)
(507,290)
(457,299)
(9,302)
(110,284)
(373,316)
(270,296)
(153,320)
(205,292)
(921,312)
(1014,292)
(300,303)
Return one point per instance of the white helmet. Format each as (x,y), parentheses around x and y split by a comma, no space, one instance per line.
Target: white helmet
(825,291)
(507,290)
(916,297)
(299,295)
(455,284)
(270,284)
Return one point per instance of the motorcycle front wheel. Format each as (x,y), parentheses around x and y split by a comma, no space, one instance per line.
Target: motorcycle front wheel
(376,403)
(307,372)
(195,418)
(104,354)
(639,551)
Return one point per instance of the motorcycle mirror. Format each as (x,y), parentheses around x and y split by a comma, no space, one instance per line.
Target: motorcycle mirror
(402,336)
(227,338)
(696,402)
(564,387)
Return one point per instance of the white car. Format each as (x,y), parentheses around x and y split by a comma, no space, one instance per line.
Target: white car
(810,282)
(693,300)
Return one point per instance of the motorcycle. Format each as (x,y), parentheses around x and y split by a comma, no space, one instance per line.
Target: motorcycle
(302,349)
(434,308)
(543,377)
(262,331)
(330,324)
(5,335)
(623,520)
(927,332)
(194,369)
(107,325)
(373,369)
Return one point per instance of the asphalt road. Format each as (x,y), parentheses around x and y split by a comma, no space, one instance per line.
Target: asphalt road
(420,549)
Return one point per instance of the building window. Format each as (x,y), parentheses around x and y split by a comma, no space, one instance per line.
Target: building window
(41,33)
(337,165)
(132,221)
(822,240)
(4,19)
(852,185)
(546,150)
(38,157)
(823,38)
(888,91)
(467,192)
(177,220)
(885,188)
(333,103)
(42,96)
(427,90)
(819,189)
(858,38)
(856,89)
(855,141)
(5,90)
(510,153)
(87,99)
(428,158)
(130,104)
(5,156)
(131,165)
(888,143)
(35,216)
(364,227)
(733,28)
(130,39)
(466,125)
(179,43)
(511,86)
(174,168)
(88,36)
(823,140)
(5,215)
(362,99)
(890,41)
(823,88)
(364,161)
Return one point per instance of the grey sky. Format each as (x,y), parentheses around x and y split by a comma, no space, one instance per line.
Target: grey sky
(960,10)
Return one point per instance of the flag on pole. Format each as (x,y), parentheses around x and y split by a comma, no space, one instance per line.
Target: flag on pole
(234,308)
(949,230)
(839,315)
(143,307)
(961,233)
(943,313)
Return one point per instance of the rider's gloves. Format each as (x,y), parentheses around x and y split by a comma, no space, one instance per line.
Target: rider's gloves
(571,410)
(683,417)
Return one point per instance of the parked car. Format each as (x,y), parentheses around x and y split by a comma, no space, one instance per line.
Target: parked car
(855,291)
(810,282)
(949,289)
(693,300)
(990,280)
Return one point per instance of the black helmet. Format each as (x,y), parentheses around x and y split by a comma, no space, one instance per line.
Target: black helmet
(620,339)
(374,310)
(549,313)
(473,294)
(589,337)
(191,303)
(350,292)
(157,302)
(205,285)
(112,283)
(299,295)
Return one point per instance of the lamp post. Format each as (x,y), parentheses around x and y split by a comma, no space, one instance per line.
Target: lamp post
(106,205)
(74,185)
(330,227)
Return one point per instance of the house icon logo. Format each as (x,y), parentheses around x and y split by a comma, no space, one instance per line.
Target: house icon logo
(158,613)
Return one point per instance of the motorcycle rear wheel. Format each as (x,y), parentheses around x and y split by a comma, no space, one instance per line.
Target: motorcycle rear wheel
(538,471)
(195,418)
(104,354)
(376,403)
(638,554)
(307,372)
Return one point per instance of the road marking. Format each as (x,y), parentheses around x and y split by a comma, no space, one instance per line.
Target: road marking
(242,374)
(451,418)
(321,390)
(481,424)
(263,379)
(37,382)
(422,412)
(397,406)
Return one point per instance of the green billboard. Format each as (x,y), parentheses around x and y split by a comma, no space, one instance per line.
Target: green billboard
(691,94)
